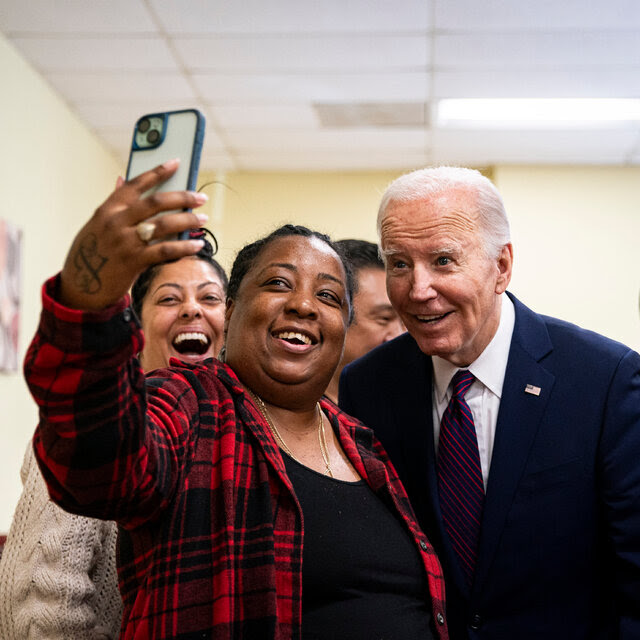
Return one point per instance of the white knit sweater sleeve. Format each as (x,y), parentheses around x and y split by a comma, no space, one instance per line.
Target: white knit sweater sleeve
(57,572)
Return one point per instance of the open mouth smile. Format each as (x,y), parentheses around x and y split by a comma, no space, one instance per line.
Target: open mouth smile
(191,342)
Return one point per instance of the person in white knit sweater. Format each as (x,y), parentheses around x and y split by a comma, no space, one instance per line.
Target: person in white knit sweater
(58,578)
(57,572)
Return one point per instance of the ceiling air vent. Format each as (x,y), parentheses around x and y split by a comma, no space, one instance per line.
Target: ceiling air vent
(372,114)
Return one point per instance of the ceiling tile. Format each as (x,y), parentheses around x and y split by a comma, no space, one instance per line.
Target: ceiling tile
(97,53)
(211,161)
(633,157)
(242,141)
(550,15)
(118,141)
(122,88)
(213,142)
(498,83)
(75,16)
(317,87)
(123,116)
(530,50)
(295,53)
(270,116)
(283,16)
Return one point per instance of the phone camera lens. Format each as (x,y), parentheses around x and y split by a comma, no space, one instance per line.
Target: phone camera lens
(143,125)
(153,136)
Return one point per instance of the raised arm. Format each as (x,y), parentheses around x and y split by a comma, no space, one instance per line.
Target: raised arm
(103,452)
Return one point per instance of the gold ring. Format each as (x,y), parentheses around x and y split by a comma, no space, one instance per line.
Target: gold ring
(145,230)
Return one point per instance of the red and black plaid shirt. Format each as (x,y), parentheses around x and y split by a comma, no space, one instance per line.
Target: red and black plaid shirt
(211,539)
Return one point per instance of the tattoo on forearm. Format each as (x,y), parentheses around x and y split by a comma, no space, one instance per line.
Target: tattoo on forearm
(89,263)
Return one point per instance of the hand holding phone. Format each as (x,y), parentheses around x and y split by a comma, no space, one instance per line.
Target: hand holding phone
(108,252)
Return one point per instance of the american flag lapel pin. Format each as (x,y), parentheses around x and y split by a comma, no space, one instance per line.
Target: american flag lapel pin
(532,389)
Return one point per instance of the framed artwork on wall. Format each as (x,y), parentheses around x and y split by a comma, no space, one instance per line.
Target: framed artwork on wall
(10,273)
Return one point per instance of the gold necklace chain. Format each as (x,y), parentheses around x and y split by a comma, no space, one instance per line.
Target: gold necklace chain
(324,450)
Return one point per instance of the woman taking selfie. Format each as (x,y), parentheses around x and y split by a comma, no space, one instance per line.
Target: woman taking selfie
(253,508)
(58,571)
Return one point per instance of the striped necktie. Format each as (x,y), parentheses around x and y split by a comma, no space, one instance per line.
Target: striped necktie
(460,482)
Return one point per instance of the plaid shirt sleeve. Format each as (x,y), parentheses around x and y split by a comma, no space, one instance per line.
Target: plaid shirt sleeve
(92,446)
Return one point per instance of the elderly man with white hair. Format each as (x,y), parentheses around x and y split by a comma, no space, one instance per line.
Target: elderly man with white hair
(516,435)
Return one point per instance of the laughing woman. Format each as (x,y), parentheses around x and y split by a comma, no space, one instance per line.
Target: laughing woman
(252,507)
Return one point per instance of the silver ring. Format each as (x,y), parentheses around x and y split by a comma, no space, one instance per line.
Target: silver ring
(145,230)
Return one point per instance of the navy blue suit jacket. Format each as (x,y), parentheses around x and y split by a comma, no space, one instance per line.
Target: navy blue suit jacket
(559,550)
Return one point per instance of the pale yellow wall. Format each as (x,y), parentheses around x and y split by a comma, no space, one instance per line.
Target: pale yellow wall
(576,233)
(344,205)
(53,172)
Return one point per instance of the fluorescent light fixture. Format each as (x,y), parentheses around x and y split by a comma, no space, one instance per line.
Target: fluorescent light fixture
(537,113)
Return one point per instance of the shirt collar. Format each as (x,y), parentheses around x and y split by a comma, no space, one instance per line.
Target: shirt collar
(490,366)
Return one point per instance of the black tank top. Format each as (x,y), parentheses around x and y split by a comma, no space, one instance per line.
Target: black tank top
(362,575)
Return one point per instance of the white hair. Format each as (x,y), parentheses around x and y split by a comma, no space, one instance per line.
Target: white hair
(432,181)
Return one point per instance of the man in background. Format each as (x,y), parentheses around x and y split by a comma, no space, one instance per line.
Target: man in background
(516,435)
(374,319)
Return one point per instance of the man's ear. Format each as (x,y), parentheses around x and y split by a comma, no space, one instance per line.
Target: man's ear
(505,266)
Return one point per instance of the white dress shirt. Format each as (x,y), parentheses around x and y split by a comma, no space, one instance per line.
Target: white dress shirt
(483,397)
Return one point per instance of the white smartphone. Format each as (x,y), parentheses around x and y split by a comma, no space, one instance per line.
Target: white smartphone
(158,137)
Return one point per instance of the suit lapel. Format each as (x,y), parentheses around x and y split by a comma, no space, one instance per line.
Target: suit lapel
(412,402)
(519,418)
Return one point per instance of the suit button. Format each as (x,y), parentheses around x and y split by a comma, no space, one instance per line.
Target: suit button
(439,618)
(423,545)
(476,622)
